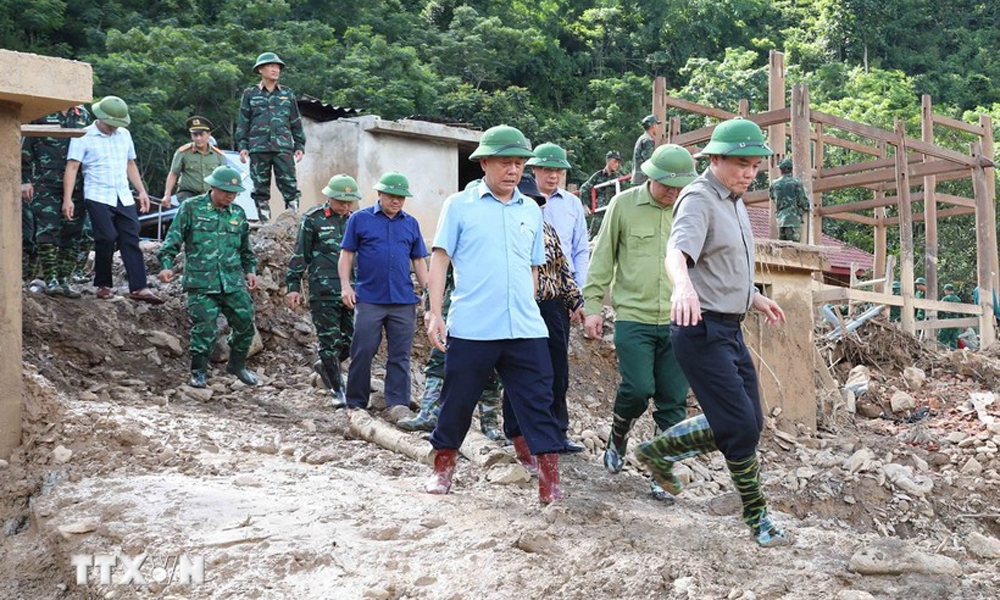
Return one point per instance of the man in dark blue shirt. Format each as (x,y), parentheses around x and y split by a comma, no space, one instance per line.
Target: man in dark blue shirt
(387,242)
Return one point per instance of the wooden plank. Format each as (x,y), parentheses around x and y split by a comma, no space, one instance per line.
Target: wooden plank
(986,245)
(887,175)
(946,199)
(956,124)
(763,119)
(906,253)
(840,295)
(986,121)
(942,214)
(947,324)
(847,144)
(866,165)
(930,205)
(698,109)
(660,107)
(872,221)
(52,131)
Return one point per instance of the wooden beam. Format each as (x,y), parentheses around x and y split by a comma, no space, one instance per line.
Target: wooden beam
(53,131)
(864,220)
(801,151)
(660,107)
(887,175)
(946,199)
(942,214)
(837,295)
(905,209)
(930,204)
(986,247)
(948,324)
(775,132)
(847,144)
(986,121)
(956,124)
(764,119)
(814,225)
(698,109)
(867,165)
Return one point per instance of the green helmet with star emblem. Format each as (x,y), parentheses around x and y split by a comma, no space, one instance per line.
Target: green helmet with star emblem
(393,183)
(267,58)
(737,137)
(670,165)
(342,187)
(226,179)
(502,140)
(113,111)
(551,156)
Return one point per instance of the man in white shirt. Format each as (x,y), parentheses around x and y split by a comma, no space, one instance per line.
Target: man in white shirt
(107,155)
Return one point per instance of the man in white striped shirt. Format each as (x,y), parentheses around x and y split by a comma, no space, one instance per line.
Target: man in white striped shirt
(107,155)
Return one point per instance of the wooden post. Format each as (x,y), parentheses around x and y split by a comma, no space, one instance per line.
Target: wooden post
(801,155)
(744,110)
(986,121)
(905,228)
(674,128)
(881,238)
(10,283)
(660,106)
(776,132)
(930,206)
(814,228)
(986,244)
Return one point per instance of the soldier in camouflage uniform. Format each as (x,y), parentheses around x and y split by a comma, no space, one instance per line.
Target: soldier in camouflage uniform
(317,250)
(219,272)
(612,161)
(949,336)
(57,239)
(192,163)
(430,406)
(269,132)
(29,258)
(644,147)
(790,202)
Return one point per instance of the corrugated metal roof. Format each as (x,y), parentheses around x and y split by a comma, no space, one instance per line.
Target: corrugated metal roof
(841,256)
(317,110)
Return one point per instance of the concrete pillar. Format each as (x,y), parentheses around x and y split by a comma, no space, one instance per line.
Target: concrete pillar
(10,277)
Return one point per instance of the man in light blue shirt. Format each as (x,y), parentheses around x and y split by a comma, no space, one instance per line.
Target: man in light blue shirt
(562,210)
(494,237)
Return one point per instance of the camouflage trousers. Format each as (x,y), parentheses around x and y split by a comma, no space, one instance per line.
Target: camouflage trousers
(28,256)
(489,400)
(204,309)
(283,165)
(334,325)
(594,221)
(56,239)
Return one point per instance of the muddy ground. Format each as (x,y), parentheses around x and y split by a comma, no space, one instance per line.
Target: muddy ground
(268,489)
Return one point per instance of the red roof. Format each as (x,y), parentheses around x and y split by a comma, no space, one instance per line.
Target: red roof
(840,256)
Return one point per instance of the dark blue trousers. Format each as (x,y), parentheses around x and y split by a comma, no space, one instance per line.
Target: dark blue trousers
(116,225)
(526,372)
(556,319)
(717,364)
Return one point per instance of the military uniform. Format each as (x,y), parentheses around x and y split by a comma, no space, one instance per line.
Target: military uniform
(216,244)
(43,163)
(949,336)
(604,196)
(193,166)
(269,127)
(317,251)
(642,152)
(790,202)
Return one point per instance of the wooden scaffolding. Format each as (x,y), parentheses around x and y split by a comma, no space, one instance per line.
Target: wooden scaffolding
(896,163)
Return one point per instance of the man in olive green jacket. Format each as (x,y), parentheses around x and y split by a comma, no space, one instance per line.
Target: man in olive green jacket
(219,272)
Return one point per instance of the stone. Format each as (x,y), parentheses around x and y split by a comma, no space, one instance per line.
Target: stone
(854,595)
(78,528)
(869,409)
(859,461)
(395,414)
(536,543)
(982,546)
(891,556)
(903,478)
(683,585)
(956,436)
(914,378)
(166,341)
(61,454)
(321,456)
(972,467)
(901,402)
(508,474)
(850,400)
(200,394)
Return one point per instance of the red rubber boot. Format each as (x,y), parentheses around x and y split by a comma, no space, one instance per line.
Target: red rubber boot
(548,479)
(524,455)
(444,470)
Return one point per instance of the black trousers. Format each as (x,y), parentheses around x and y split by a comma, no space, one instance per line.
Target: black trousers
(717,364)
(116,226)
(556,318)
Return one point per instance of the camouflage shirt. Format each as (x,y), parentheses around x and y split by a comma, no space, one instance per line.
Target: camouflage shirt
(43,159)
(644,147)
(269,121)
(318,251)
(216,244)
(789,199)
(604,194)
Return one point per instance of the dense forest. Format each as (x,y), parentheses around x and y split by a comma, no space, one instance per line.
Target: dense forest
(575,72)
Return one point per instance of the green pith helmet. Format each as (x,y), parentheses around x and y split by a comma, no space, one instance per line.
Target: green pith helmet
(502,140)
(670,165)
(612,154)
(737,137)
(648,121)
(113,111)
(267,58)
(342,187)
(920,281)
(226,179)
(786,165)
(394,184)
(551,156)
(949,287)
(896,285)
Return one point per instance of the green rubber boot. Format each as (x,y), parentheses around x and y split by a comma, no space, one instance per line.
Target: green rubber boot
(688,438)
(238,366)
(199,371)
(430,406)
(489,411)
(614,453)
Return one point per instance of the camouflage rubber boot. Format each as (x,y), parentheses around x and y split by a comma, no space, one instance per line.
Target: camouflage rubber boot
(332,367)
(688,438)
(489,418)
(746,477)
(199,371)
(68,290)
(430,406)
(65,259)
(614,453)
(82,261)
(238,366)
(48,258)
(654,487)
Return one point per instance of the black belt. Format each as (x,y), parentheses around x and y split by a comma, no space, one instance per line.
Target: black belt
(724,317)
